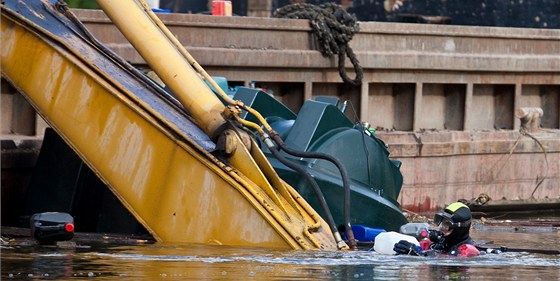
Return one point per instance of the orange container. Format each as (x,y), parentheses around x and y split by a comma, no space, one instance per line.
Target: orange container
(221,8)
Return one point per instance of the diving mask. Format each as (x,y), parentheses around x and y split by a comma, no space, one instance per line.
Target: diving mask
(445,222)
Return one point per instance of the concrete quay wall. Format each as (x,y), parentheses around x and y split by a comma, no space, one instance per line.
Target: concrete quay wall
(506,166)
(442,97)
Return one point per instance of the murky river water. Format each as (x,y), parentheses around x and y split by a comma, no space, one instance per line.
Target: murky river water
(160,261)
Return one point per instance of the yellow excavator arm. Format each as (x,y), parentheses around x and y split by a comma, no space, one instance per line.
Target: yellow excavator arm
(178,190)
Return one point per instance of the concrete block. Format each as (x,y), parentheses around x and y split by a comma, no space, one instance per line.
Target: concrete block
(7,108)
(40,125)
(23,116)
(550,103)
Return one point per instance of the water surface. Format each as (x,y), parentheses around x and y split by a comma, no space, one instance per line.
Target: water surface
(165,261)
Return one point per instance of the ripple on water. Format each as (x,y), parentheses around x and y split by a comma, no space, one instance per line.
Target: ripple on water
(148,262)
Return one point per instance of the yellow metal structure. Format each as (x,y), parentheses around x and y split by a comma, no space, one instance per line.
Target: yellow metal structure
(178,190)
(166,61)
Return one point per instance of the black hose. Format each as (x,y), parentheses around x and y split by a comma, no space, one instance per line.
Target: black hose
(315,187)
(344,176)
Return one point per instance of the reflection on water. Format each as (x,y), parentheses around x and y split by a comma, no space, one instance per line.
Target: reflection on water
(196,262)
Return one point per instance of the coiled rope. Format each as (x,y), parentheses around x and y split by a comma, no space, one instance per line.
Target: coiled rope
(334,28)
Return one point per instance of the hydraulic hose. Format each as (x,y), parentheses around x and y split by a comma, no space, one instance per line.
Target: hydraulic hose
(343,174)
(316,189)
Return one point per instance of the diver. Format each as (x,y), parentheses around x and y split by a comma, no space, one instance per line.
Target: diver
(451,237)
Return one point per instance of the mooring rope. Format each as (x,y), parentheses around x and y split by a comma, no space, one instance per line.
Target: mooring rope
(334,28)
(523,133)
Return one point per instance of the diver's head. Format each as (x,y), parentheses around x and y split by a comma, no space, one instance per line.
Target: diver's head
(455,218)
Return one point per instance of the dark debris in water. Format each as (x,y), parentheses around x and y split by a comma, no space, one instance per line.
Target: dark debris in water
(22,237)
(546,225)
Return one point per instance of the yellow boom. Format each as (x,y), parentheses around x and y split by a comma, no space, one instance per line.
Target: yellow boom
(175,187)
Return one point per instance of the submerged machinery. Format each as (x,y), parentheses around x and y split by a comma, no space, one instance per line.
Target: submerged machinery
(183,163)
(320,128)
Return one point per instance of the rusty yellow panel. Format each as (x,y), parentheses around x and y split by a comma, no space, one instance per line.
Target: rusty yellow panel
(176,196)
(178,191)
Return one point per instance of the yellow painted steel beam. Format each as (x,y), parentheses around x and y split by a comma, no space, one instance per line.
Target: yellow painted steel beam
(171,66)
(147,34)
(167,62)
(176,189)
